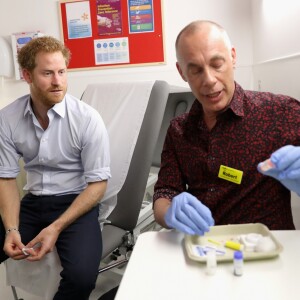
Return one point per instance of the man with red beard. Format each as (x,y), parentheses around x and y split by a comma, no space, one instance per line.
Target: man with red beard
(208,172)
(65,148)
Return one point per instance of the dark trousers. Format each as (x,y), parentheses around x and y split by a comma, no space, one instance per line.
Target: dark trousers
(79,246)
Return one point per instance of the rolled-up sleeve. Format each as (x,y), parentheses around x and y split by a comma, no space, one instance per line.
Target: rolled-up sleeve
(9,167)
(95,150)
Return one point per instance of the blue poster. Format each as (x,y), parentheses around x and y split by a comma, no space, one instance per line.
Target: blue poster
(140,16)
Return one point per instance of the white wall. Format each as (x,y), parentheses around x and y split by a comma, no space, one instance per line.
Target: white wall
(43,15)
(276,41)
(276,26)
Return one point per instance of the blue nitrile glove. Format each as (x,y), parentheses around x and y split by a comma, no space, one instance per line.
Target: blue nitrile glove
(189,215)
(286,169)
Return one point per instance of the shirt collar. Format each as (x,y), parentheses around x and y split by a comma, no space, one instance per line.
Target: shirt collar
(236,104)
(28,108)
(59,108)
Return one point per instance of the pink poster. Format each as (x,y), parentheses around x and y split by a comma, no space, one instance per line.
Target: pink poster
(109,17)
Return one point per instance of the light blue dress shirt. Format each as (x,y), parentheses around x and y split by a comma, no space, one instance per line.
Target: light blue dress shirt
(62,159)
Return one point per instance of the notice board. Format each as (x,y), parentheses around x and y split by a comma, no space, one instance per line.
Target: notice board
(112,33)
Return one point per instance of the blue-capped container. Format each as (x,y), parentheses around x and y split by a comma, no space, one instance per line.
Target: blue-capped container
(238,263)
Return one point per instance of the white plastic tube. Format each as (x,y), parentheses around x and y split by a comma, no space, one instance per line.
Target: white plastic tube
(211,262)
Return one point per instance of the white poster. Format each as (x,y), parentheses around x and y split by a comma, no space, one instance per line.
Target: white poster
(79,20)
(111,51)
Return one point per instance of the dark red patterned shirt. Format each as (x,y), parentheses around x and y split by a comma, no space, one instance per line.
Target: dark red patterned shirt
(248,132)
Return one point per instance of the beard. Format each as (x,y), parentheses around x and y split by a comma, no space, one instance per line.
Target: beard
(49,97)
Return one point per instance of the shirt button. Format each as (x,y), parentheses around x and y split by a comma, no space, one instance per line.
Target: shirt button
(212,189)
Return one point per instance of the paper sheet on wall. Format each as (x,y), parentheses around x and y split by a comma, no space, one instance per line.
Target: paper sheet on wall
(79,20)
(109,17)
(141,16)
(19,40)
(111,51)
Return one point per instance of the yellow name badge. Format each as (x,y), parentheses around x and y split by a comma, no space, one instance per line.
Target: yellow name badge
(230,174)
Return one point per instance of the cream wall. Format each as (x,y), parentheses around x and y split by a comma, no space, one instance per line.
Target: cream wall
(43,15)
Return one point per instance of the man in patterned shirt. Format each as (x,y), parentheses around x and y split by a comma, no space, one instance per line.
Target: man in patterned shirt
(209,162)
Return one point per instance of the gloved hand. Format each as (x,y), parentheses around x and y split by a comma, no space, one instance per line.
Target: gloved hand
(286,161)
(187,214)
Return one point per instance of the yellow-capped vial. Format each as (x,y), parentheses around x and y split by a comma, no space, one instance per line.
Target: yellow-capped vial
(234,245)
